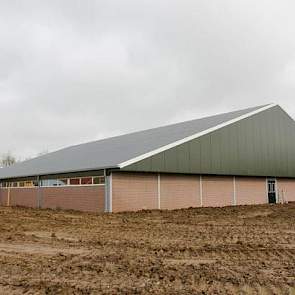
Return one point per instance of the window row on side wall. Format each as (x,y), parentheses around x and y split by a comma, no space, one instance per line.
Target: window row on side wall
(74,181)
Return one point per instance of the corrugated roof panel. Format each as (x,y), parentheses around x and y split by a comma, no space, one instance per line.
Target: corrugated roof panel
(110,152)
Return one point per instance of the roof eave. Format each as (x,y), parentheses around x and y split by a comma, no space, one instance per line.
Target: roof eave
(59,172)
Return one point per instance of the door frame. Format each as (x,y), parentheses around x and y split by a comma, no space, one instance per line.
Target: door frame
(275,191)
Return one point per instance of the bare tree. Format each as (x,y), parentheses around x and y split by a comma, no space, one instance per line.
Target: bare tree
(7,160)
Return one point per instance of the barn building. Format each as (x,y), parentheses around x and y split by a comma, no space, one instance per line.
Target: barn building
(236,158)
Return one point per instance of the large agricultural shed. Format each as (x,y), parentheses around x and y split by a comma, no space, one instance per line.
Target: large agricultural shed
(236,158)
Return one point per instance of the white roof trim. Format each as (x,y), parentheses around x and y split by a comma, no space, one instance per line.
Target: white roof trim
(194,136)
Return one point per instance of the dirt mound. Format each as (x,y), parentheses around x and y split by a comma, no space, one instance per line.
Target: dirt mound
(233,250)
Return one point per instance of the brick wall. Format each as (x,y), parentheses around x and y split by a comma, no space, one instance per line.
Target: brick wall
(179,191)
(27,197)
(217,191)
(3,197)
(251,190)
(82,198)
(286,189)
(134,191)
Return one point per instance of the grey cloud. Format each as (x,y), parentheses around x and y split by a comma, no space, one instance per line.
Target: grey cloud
(73,71)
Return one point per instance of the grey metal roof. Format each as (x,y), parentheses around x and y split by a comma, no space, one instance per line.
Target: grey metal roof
(110,152)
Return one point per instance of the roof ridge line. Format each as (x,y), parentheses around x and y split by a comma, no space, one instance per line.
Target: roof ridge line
(194,136)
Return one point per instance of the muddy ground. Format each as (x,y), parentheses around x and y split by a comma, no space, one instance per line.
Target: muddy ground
(233,250)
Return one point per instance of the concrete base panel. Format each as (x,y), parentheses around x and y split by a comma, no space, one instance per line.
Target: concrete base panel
(179,191)
(251,190)
(134,191)
(217,191)
(286,189)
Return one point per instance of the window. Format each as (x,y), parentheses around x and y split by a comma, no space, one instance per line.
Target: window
(52,182)
(28,183)
(86,180)
(15,184)
(74,181)
(98,180)
(49,182)
(62,182)
(271,186)
(44,182)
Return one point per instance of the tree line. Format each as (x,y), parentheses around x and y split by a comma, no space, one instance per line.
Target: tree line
(8,159)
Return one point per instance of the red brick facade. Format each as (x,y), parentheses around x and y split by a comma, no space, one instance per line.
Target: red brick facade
(86,198)
(26,197)
(3,197)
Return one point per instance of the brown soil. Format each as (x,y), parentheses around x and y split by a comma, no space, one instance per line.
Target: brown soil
(233,250)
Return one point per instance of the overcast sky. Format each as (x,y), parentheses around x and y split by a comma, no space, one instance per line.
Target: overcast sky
(76,71)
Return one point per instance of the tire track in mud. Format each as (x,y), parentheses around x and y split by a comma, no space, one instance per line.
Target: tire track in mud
(240,250)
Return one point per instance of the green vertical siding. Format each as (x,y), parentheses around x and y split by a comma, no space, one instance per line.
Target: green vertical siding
(261,145)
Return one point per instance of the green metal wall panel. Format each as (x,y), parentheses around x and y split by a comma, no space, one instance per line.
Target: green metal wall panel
(261,145)
(195,155)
